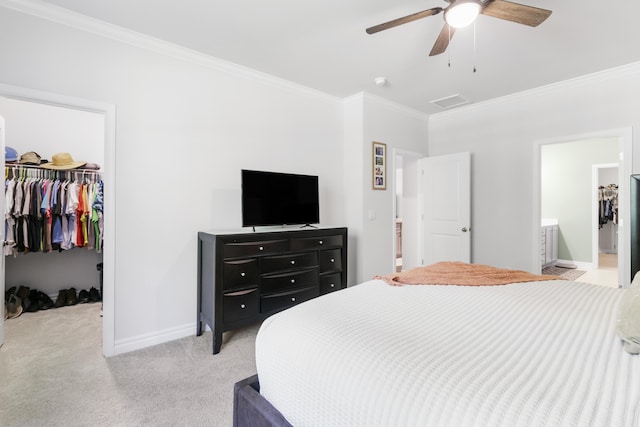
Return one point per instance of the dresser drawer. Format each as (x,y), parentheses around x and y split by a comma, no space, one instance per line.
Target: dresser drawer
(330,282)
(331,260)
(273,264)
(280,301)
(292,279)
(241,305)
(240,273)
(305,243)
(243,249)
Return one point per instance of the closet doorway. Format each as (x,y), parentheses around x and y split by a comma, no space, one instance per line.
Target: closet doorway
(34,121)
(605,183)
(405,208)
(568,194)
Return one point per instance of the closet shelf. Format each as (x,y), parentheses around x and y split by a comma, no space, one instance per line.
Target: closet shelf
(31,171)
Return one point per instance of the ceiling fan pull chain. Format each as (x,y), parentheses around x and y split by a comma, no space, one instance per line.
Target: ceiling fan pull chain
(448,51)
(475,56)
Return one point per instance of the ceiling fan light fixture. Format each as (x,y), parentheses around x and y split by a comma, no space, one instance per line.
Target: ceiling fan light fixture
(462,13)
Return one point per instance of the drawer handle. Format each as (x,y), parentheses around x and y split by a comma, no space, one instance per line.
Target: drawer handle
(293,299)
(320,242)
(242,306)
(242,274)
(333,260)
(292,262)
(293,280)
(333,285)
(261,248)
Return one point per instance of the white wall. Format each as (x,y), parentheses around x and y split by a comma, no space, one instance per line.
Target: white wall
(353,184)
(186,125)
(397,127)
(366,119)
(501,135)
(49,129)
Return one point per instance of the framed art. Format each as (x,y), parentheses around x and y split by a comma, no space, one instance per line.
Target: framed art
(379,166)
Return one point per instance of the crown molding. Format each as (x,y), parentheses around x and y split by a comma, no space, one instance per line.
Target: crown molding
(576,82)
(53,13)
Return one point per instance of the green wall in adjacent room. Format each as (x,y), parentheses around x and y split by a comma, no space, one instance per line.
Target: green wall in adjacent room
(567,193)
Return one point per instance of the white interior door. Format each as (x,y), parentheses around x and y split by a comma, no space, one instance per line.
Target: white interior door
(2,237)
(446,208)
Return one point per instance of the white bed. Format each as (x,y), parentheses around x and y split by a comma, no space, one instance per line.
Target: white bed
(536,353)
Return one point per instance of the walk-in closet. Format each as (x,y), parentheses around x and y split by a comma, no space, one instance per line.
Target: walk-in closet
(54,212)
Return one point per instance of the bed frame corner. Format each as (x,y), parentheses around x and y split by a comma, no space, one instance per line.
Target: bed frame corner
(251,409)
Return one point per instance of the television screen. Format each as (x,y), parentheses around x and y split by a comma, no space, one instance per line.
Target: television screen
(272,198)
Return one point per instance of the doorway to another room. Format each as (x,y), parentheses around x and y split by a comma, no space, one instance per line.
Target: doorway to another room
(405,208)
(51,125)
(580,180)
(605,220)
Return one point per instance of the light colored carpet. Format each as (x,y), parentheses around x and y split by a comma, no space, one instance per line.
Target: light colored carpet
(52,373)
(567,273)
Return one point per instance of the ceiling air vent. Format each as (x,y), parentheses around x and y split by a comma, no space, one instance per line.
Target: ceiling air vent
(451,101)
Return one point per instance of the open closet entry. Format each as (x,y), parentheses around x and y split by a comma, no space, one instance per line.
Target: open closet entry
(608,218)
(53,183)
(605,245)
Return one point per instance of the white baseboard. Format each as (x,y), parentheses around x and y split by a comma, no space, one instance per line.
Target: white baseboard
(579,264)
(147,340)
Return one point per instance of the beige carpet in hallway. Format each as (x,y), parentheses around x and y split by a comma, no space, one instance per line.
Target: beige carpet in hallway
(53,373)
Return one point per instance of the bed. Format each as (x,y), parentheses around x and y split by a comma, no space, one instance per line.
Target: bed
(543,352)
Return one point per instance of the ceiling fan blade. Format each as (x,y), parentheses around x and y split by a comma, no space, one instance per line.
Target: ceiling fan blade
(442,42)
(515,12)
(404,20)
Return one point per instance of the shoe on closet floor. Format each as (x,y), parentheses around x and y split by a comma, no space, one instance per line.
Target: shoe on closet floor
(33,304)
(83,296)
(94,295)
(72,297)
(44,301)
(61,299)
(23,294)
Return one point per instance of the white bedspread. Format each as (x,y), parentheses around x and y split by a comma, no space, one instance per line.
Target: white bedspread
(527,354)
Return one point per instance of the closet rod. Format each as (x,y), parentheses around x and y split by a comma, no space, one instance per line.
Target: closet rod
(35,167)
(16,169)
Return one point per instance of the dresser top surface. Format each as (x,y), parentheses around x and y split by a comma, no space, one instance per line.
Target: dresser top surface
(265,230)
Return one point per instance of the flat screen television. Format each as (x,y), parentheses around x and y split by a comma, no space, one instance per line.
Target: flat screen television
(274,198)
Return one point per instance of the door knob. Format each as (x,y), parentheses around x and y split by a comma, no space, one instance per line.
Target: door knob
(465,229)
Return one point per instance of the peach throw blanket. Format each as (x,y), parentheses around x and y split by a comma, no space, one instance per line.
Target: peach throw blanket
(460,273)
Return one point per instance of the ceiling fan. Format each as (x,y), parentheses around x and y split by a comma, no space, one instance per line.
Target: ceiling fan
(461,13)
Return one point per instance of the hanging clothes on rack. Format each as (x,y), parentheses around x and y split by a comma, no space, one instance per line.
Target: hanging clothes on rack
(608,204)
(49,210)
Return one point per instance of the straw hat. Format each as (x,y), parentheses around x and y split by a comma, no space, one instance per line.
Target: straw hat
(30,158)
(62,161)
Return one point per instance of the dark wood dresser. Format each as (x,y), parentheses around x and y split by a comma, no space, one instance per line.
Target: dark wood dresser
(245,277)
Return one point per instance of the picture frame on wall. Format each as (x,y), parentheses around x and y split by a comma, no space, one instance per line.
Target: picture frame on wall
(379,166)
